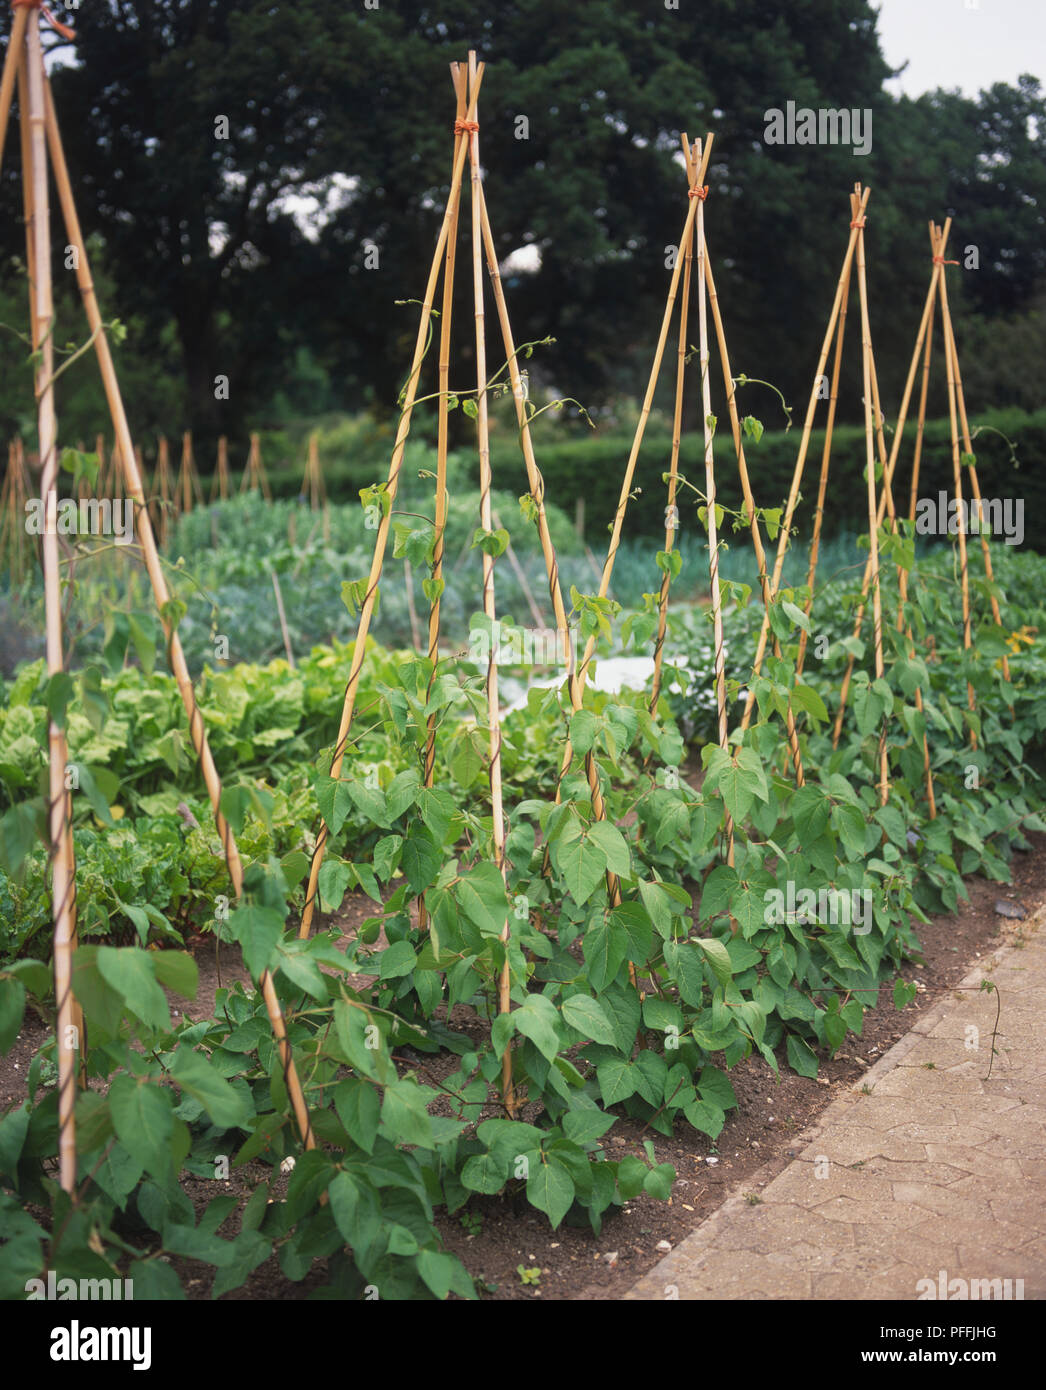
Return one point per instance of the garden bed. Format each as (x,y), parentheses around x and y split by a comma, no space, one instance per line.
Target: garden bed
(498,1235)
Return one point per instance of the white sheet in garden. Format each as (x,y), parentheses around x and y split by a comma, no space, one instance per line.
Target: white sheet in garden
(612,674)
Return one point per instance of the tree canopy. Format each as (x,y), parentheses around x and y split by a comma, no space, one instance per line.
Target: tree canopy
(236,160)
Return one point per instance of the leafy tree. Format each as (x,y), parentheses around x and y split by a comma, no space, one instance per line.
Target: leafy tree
(240,159)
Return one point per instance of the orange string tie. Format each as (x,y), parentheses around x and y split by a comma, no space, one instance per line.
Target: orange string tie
(859,222)
(465,127)
(55,24)
(701,193)
(939,260)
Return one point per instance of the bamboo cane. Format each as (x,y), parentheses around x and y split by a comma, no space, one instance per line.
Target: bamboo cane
(826,454)
(249,482)
(14,68)
(749,501)
(24,480)
(637,441)
(254,475)
(903,625)
(260,476)
(63,865)
(671,510)
(320,485)
(151,555)
(964,577)
(838,306)
(163,470)
(115,485)
(281,614)
(314,475)
(321,489)
(21,486)
(188,479)
(925,329)
(367,609)
(101,479)
(719,660)
(308,486)
(537,493)
(220,481)
(82,492)
(12,61)
(873,508)
(489,605)
(184,477)
(312,483)
(457,76)
(975,486)
(921,424)
(443,369)
(27,183)
(902,573)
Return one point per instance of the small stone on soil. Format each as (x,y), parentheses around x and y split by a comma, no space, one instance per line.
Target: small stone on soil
(1008,909)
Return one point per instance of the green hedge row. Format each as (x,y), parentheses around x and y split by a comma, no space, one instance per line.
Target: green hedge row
(593,468)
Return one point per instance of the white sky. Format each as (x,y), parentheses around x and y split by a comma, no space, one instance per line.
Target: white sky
(967,44)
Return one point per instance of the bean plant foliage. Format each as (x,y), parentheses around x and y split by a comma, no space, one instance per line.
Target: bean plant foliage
(645,958)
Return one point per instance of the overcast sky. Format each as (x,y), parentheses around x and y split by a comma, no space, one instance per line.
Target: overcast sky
(967,44)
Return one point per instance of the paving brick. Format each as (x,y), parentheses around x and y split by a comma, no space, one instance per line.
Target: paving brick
(939,1168)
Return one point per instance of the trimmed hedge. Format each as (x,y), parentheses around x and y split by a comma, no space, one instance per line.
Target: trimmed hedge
(593,468)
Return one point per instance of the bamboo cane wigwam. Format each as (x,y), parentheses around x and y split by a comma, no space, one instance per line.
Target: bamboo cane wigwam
(40,138)
(467,84)
(187,488)
(389,496)
(220,481)
(481,240)
(884,503)
(936,294)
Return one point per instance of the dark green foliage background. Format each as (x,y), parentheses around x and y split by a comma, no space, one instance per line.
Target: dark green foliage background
(205,262)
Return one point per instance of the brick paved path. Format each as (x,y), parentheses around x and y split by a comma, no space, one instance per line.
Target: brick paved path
(937,1169)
